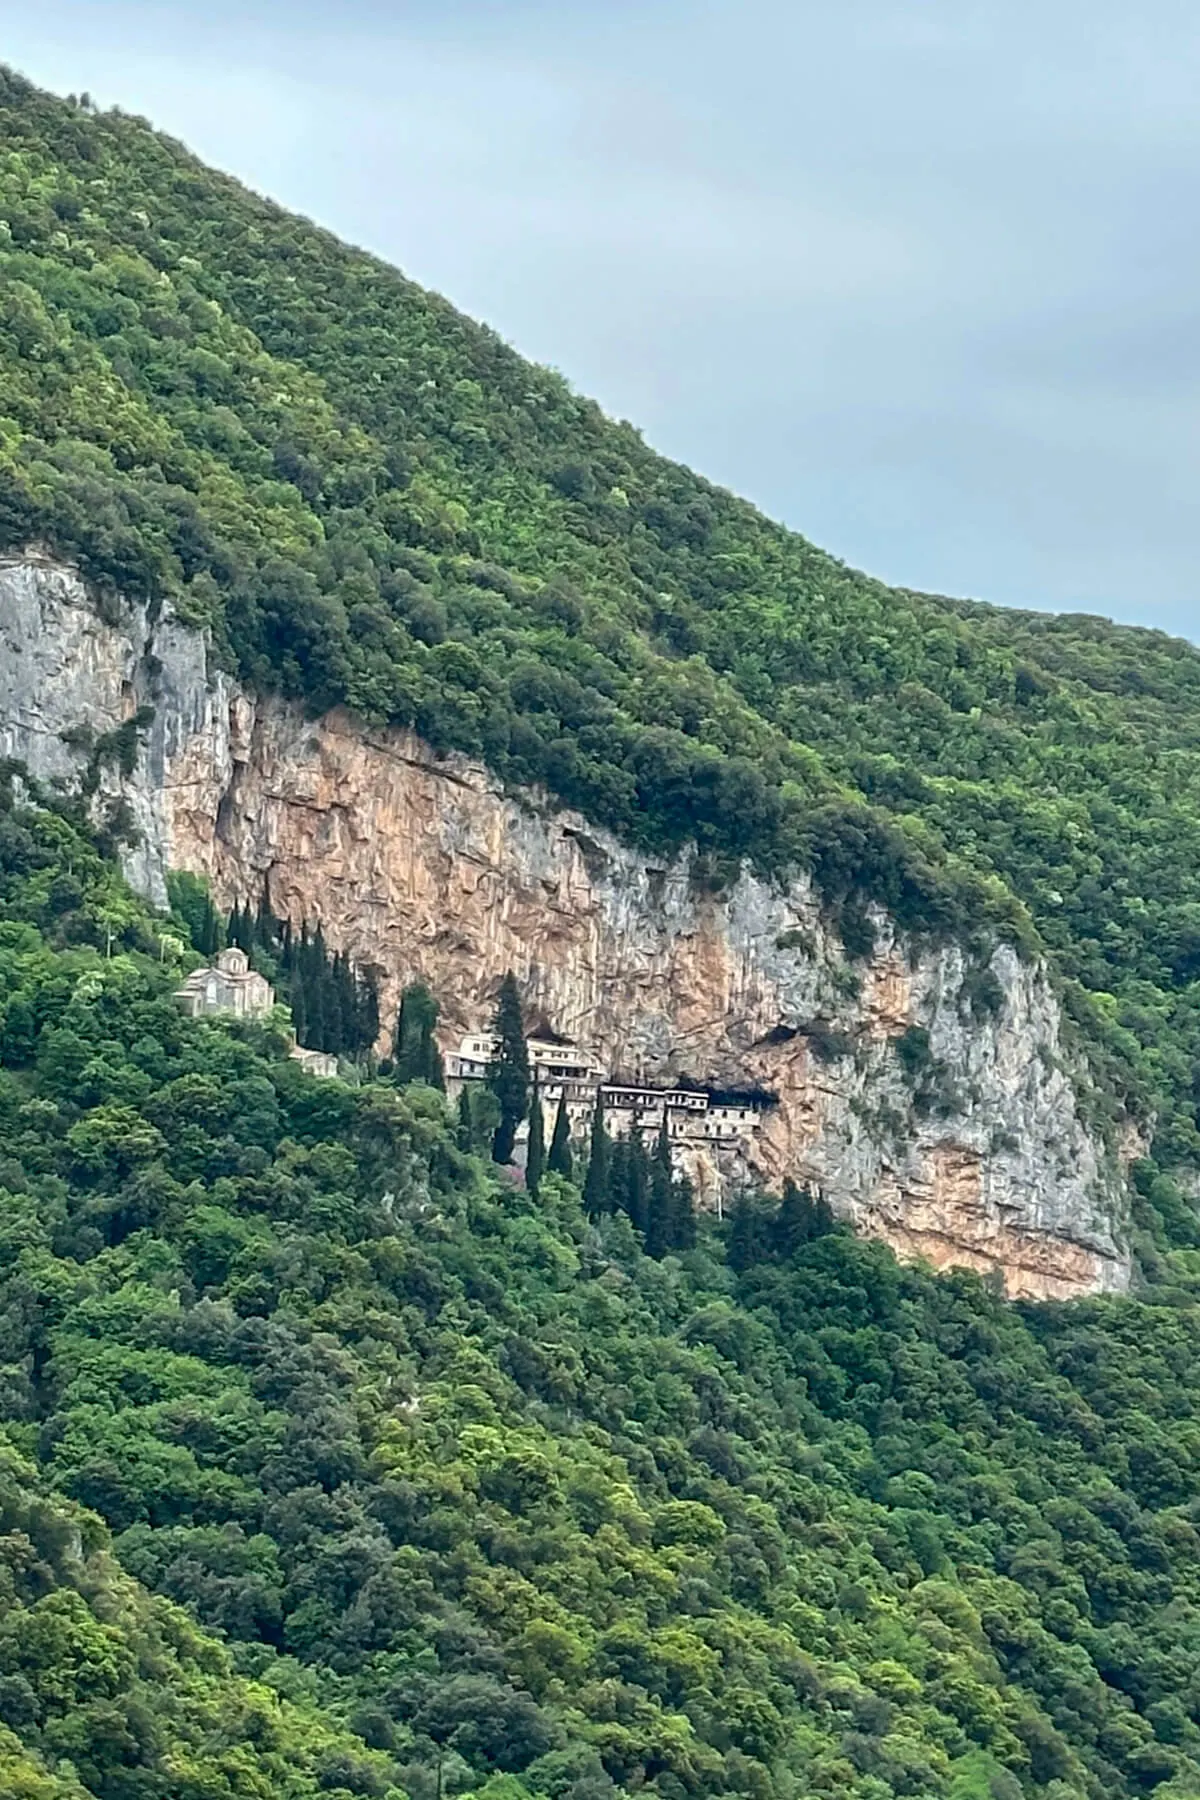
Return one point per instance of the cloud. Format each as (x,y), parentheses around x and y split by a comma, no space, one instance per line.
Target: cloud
(916,276)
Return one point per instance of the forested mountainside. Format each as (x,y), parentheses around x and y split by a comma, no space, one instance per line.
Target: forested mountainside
(370,499)
(331,1462)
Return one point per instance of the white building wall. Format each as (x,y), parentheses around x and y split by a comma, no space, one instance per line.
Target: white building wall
(628,1106)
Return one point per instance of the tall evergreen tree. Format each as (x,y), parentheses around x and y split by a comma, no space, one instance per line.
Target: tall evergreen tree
(535,1157)
(347,987)
(683,1214)
(508,1076)
(317,966)
(367,1013)
(314,1001)
(309,989)
(659,1201)
(745,1244)
(618,1176)
(823,1218)
(334,1007)
(597,1197)
(464,1130)
(266,925)
(477,1116)
(637,1183)
(300,1024)
(192,904)
(240,928)
(560,1161)
(210,930)
(414,1048)
(793,1223)
(329,974)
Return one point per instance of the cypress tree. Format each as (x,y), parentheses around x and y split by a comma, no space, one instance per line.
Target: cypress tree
(366,996)
(208,937)
(744,1246)
(314,1000)
(298,989)
(683,1215)
(414,1047)
(329,1010)
(266,925)
(799,1219)
(560,1160)
(302,989)
(400,1039)
(335,994)
(793,1223)
(508,1076)
(597,1197)
(319,1008)
(244,935)
(300,1012)
(339,1017)
(637,1190)
(477,1111)
(618,1176)
(535,1157)
(347,989)
(465,1128)
(659,1201)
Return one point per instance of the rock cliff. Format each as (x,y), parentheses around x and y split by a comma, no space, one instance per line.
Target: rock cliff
(927,1097)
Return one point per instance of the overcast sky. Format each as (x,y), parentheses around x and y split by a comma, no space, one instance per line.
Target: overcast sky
(922,279)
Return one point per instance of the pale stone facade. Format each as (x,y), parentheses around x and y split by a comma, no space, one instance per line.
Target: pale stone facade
(695,1117)
(231,986)
(321,1063)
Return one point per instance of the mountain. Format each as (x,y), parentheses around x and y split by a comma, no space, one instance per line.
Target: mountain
(368,499)
(332,1460)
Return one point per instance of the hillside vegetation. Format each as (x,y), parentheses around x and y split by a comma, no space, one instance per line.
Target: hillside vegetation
(370,499)
(333,1463)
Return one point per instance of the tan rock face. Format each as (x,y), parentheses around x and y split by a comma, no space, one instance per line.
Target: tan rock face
(421,868)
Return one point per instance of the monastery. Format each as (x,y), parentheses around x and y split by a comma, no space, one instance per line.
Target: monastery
(231,988)
(696,1117)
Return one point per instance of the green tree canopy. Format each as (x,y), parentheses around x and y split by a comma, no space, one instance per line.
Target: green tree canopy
(415,1053)
(508,1075)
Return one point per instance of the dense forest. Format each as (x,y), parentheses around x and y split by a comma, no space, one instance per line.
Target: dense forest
(334,1463)
(369,499)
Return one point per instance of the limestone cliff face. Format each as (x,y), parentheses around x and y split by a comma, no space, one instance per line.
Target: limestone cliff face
(966,1148)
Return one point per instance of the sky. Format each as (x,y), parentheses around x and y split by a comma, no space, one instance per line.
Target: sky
(919,277)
